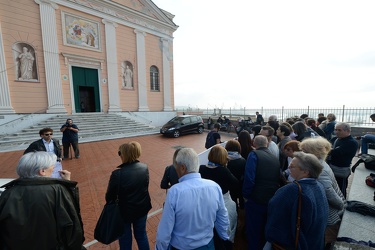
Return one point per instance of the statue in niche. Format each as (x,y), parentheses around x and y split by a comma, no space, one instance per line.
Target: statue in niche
(26,64)
(128,77)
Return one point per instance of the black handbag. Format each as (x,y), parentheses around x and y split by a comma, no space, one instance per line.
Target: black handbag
(110,225)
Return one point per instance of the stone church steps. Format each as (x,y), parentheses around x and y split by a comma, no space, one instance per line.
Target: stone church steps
(92,126)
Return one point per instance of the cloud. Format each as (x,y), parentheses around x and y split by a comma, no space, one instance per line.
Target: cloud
(273,53)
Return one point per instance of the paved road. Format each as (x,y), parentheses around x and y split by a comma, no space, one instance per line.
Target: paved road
(99,159)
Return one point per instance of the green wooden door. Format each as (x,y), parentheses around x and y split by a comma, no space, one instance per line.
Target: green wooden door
(86,89)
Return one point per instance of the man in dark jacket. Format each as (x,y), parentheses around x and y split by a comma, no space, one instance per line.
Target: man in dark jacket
(170,176)
(213,137)
(343,150)
(259,119)
(261,181)
(46,143)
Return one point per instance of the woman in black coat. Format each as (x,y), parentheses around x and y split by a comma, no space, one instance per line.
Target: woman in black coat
(236,166)
(130,181)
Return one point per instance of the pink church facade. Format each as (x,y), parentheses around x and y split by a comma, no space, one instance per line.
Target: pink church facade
(72,56)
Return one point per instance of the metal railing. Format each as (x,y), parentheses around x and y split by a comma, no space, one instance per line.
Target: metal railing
(353,116)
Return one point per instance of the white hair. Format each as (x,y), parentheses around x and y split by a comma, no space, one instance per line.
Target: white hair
(189,158)
(260,141)
(31,163)
(272,118)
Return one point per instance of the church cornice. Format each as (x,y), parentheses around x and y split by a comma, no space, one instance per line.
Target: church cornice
(121,14)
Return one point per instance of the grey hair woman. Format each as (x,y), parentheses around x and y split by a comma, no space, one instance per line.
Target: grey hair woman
(283,207)
(32,164)
(37,196)
(39,164)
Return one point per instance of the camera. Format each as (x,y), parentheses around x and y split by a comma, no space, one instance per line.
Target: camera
(67,125)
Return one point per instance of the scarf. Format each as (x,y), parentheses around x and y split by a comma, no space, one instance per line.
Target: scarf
(213,165)
(232,155)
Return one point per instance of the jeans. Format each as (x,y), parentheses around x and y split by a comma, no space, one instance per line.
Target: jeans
(256,218)
(343,184)
(140,235)
(209,246)
(366,139)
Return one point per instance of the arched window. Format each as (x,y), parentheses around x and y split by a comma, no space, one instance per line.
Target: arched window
(154,79)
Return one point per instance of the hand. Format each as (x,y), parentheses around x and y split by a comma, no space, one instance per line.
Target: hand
(65,174)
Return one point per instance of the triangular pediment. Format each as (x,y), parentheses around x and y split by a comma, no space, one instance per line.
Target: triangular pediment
(140,12)
(148,8)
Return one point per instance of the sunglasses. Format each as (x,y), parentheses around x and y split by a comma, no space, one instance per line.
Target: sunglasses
(48,134)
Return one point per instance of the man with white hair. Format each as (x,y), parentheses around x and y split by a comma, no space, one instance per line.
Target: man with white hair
(192,209)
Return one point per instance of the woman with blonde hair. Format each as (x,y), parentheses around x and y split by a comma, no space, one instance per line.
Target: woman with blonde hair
(130,182)
(320,147)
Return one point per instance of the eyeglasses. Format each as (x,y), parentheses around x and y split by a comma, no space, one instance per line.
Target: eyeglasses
(292,166)
(48,134)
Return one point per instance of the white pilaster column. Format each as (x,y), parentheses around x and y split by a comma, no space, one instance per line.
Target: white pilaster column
(51,56)
(142,71)
(112,72)
(166,75)
(5,104)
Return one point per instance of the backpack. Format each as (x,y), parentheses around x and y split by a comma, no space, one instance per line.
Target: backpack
(369,161)
(210,140)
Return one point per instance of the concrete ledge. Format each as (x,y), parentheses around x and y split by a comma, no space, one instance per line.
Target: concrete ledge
(348,246)
(355,225)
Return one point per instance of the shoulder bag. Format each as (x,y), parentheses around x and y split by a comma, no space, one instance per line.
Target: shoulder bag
(368,159)
(276,246)
(110,225)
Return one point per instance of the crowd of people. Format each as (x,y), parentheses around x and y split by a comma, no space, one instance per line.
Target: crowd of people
(289,178)
(284,171)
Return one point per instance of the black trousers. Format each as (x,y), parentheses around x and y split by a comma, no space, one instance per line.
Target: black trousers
(66,146)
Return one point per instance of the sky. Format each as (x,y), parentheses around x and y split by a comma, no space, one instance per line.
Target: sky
(273,54)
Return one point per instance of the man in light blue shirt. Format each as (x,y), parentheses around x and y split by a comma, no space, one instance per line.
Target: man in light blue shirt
(192,209)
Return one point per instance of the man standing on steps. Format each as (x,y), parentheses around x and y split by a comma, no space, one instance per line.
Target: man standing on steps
(70,136)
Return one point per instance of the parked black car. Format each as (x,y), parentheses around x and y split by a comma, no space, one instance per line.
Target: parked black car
(183,124)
